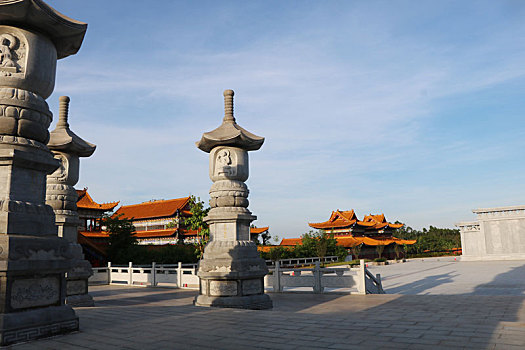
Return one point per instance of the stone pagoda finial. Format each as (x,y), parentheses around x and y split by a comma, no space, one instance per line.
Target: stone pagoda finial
(63,111)
(63,139)
(228,106)
(229,133)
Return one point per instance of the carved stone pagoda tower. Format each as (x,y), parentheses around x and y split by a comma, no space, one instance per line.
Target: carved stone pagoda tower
(231,272)
(33,259)
(67,147)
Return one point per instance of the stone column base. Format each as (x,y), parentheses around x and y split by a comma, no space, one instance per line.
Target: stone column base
(232,275)
(80,300)
(38,323)
(252,302)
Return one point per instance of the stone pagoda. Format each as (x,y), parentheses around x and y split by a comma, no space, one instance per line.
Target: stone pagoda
(33,259)
(67,147)
(231,271)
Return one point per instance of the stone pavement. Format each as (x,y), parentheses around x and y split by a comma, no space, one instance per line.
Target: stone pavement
(444,275)
(157,318)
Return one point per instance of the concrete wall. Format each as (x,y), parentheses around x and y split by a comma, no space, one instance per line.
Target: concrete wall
(498,234)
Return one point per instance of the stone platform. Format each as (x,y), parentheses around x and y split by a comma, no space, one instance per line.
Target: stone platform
(147,318)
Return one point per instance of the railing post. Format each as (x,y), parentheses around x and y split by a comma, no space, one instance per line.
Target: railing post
(361,286)
(179,275)
(379,284)
(130,273)
(277,277)
(153,274)
(317,278)
(109,272)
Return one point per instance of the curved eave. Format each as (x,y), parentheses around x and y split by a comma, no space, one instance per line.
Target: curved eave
(230,134)
(67,141)
(67,34)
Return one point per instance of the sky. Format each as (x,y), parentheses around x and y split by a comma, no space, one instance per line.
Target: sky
(414,109)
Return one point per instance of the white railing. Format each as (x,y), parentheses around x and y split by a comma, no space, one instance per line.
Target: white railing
(177,276)
(301,261)
(349,280)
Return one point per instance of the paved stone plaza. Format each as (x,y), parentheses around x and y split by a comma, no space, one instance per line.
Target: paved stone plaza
(147,318)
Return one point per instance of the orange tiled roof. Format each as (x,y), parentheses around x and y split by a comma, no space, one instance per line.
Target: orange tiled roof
(156,233)
(86,202)
(350,241)
(152,209)
(338,219)
(258,230)
(291,241)
(95,234)
(265,248)
(345,219)
(377,222)
(142,234)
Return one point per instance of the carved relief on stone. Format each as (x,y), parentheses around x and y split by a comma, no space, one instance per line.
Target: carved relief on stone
(13,51)
(35,292)
(228,163)
(224,165)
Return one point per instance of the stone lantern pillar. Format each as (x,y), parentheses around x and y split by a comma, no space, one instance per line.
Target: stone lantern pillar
(67,147)
(33,259)
(231,271)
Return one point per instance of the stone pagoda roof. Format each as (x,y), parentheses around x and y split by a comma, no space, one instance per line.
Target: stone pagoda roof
(229,133)
(65,140)
(67,34)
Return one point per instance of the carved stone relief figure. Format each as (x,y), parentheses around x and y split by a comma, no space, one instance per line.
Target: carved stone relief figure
(224,164)
(7,43)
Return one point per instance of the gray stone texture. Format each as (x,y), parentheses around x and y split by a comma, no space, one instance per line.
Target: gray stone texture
(297,321)
(498,234)
(33,259)
(67,147)
(231,270)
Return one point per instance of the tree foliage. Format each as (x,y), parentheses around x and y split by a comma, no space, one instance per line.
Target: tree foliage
(433,239)
(196,222)
(314,244)
(122,240)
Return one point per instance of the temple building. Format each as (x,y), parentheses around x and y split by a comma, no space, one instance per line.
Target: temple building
(346,223)
(159,222)
(367,236)
(90,235)
(256,232)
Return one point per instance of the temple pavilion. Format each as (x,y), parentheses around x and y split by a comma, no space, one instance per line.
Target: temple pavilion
(90,235)
(159,222)
(366,234)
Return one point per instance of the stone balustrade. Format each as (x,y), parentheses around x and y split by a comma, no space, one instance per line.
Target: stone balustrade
(352,280)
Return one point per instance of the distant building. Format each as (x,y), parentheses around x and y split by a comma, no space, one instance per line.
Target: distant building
(368,234)
(159,222)
(256,232)
(90,235)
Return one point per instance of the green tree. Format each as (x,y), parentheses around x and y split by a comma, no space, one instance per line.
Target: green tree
(356,250)
(122,240)
(196,222)
(319,244)
(379,249)
(264,237)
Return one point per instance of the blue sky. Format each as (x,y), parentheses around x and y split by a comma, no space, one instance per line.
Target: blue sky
(414,109)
